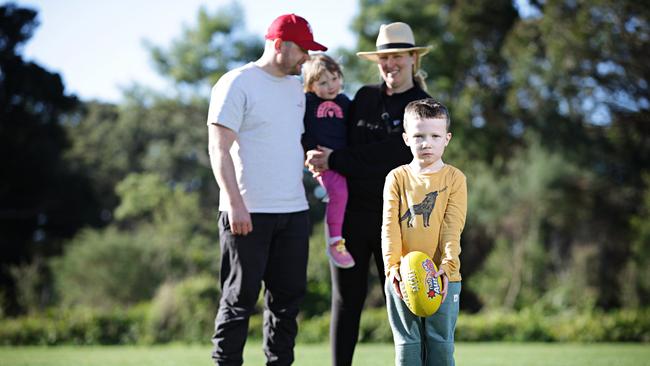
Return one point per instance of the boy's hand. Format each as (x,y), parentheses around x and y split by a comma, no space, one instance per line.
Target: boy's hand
(395,280)
(445,283)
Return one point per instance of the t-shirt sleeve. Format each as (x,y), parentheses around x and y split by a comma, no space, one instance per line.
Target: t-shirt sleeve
(453,224)
(391,232)
(227,103)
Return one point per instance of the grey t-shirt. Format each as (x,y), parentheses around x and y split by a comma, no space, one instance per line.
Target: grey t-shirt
(266,112)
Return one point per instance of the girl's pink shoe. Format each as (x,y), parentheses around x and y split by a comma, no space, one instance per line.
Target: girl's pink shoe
(339,255)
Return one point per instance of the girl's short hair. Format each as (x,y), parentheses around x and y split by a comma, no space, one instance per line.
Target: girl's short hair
(314,68)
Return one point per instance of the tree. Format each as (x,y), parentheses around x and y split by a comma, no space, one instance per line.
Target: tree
(202,54)
(526,204)
(158,131)
(148,132)
(580,78)
(637,273)
(42,201)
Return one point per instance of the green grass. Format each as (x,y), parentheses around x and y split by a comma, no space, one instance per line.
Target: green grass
(474,354)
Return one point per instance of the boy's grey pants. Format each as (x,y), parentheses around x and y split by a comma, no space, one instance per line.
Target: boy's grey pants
(423,341)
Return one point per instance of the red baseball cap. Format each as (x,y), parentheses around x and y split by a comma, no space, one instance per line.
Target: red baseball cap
(291,27)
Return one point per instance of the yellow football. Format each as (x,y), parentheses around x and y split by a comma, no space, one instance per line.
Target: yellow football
(422,292)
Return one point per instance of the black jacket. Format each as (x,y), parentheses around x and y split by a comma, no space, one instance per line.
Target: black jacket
(325,122)
(375,144)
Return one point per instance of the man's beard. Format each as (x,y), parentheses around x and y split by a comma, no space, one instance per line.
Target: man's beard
(295,69)
(290,68)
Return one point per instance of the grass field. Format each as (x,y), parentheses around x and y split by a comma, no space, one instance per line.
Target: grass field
(473,354)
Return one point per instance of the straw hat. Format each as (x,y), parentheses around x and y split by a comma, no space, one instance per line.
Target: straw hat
(393,38)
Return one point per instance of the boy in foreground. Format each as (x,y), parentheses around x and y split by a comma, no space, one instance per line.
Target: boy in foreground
(425,204)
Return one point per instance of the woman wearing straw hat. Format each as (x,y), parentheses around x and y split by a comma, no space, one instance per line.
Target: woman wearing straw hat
(375,148)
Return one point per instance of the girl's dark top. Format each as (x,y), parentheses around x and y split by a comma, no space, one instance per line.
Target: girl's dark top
(325,122)
(374,145)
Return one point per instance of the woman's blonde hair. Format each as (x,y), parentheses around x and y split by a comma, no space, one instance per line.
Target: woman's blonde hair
(316,66)
(418,74)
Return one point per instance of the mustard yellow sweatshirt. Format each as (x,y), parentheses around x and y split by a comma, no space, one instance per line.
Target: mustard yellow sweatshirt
(424,212)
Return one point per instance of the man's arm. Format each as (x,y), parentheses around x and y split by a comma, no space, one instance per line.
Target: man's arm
(220,140)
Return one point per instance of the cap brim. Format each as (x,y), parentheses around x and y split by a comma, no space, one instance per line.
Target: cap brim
(374,55)
(311,45)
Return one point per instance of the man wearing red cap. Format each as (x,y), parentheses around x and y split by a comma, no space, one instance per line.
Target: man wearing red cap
(254,128)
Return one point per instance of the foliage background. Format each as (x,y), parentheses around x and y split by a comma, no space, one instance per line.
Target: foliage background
(108,212)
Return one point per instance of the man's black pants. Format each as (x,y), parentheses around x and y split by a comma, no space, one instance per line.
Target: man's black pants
(275,252)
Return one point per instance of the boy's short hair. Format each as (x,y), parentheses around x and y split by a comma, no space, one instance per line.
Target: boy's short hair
(426,108)
(316,66)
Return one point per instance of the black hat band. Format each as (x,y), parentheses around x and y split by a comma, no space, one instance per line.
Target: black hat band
(394,45)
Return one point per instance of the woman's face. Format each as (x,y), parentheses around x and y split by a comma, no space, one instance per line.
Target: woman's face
(397,70)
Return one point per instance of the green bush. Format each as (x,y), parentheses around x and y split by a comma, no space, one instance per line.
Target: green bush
(107,268)
(534,326)
(315,329)
(488,327)
(168,319)
(183,311)
(255,325)
(628,326)
(374,326)
(78,326)
(161,235)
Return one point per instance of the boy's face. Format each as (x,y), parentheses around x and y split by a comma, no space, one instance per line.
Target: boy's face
(427,138)
(327,86)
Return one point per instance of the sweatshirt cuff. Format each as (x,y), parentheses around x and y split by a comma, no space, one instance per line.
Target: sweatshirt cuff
(445,268)
(392,270)
(331,161)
